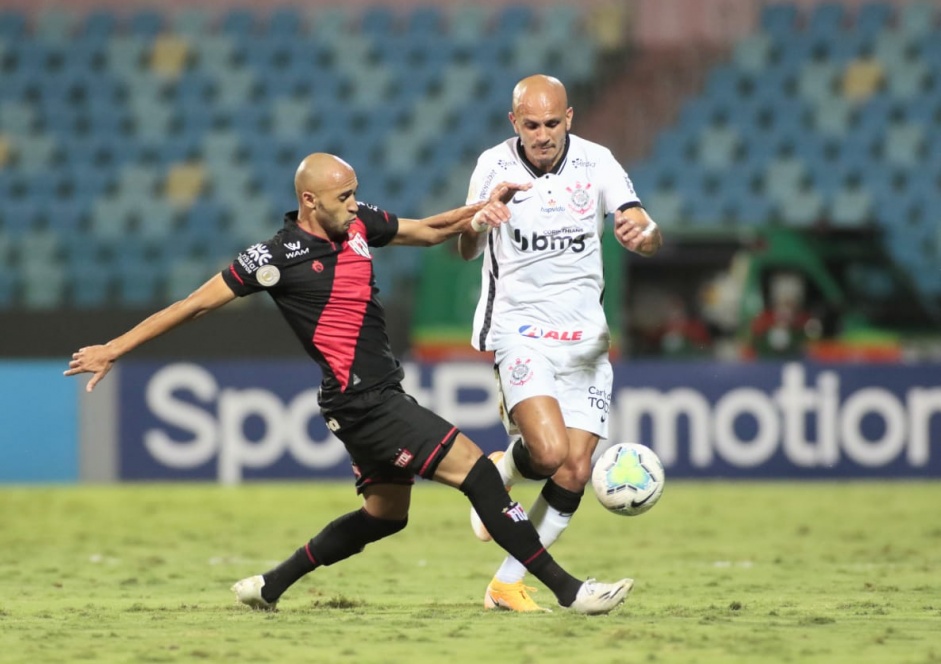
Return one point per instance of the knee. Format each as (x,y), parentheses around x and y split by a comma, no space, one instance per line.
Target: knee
(382,528)
(547,456)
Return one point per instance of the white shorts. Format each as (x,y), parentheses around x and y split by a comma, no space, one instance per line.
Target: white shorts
(582,387)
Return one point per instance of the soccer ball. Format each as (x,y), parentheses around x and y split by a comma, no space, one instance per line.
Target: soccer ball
(628,479)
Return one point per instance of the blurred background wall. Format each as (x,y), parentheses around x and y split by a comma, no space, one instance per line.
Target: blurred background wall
(790,151)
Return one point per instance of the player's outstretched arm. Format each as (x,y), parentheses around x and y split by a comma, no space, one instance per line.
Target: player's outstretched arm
(438,228)
(99,359)
(635,230)
(473,238)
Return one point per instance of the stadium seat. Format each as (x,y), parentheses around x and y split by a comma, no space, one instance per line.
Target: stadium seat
(43,285)
(779,19)
(917,18)
(872,18)
(239,23)
(468,23)
(103,105)
(147,23)
(753,53)
(851,207)
(286,23)
(54,25)
(192,23)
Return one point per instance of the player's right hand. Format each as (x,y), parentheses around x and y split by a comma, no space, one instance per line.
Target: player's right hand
(96,360)
(496,212)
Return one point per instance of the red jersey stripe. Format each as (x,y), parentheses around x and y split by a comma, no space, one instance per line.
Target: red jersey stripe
(340,323)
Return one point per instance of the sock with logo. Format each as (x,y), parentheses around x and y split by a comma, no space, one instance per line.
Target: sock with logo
(343,537)
(551,513)
(509,525)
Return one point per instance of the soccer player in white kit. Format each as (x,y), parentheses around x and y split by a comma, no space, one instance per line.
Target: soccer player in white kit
(540,310)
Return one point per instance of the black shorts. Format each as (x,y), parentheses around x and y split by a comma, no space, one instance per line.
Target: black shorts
(390,438)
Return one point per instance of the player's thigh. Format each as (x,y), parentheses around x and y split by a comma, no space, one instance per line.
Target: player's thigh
(585,396)
(391,438)
(540,422)
(530,401)
(523,373)
(387,501)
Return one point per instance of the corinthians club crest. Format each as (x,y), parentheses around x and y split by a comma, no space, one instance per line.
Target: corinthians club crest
(520,372)
(581,200)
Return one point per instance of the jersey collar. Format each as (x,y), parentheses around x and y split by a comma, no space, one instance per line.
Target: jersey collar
(533,170)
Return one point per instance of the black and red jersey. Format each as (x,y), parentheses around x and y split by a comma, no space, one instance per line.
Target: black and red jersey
(326,291)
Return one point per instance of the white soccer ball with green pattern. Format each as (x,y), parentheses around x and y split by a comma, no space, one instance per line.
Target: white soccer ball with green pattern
(628,479)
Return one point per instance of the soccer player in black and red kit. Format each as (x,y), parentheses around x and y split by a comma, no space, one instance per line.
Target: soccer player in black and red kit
(319,272)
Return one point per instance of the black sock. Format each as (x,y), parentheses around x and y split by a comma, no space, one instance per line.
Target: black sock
(560,499)
(341,538)
(509,525)
(524,462)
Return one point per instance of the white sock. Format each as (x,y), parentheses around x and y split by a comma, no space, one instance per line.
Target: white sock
(507,468)
(549,523)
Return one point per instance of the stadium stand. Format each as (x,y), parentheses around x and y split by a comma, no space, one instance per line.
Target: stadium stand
(121,132)
(137,146)
(824,116)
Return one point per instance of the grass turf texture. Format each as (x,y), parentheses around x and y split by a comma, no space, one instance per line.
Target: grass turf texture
(726,572)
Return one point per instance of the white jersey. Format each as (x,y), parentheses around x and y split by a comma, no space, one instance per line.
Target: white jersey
(542,278)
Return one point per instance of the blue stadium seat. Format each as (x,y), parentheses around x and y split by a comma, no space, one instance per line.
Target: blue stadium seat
(192,23)
(56,24)
(826,19)
(12,25)
(147,23)
(378,22)
(917,18)
(239,23)
(99,25)
(424,21)
(779,19)
(513,20)
(468,24)
(873,17)
(286,23)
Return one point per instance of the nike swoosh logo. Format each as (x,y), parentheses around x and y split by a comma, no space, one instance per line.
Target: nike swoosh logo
(638,503)
(516,199)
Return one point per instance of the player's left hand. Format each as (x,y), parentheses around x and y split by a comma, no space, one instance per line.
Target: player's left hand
(95,360)
(635,230)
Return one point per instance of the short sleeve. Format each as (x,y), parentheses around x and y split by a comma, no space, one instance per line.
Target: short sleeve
(381,226)
(617,186)
(481,180)
(254,269)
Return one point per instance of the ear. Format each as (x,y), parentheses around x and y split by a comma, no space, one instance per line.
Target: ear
(569,114)
(512,119)
(309,199)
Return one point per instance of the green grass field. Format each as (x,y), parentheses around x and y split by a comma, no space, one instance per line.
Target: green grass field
(725,572)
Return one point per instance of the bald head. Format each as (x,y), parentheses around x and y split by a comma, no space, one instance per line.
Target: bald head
(541,117)
(320,172)
(326,195)
(539,91)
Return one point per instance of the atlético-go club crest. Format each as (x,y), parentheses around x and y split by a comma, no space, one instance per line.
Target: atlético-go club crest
(580,202)
(520,372)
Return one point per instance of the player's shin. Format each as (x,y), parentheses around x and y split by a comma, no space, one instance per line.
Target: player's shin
(550,514)
(510,527)
(343,537)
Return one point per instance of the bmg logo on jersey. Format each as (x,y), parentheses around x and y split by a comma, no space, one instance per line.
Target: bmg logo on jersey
(543,242)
